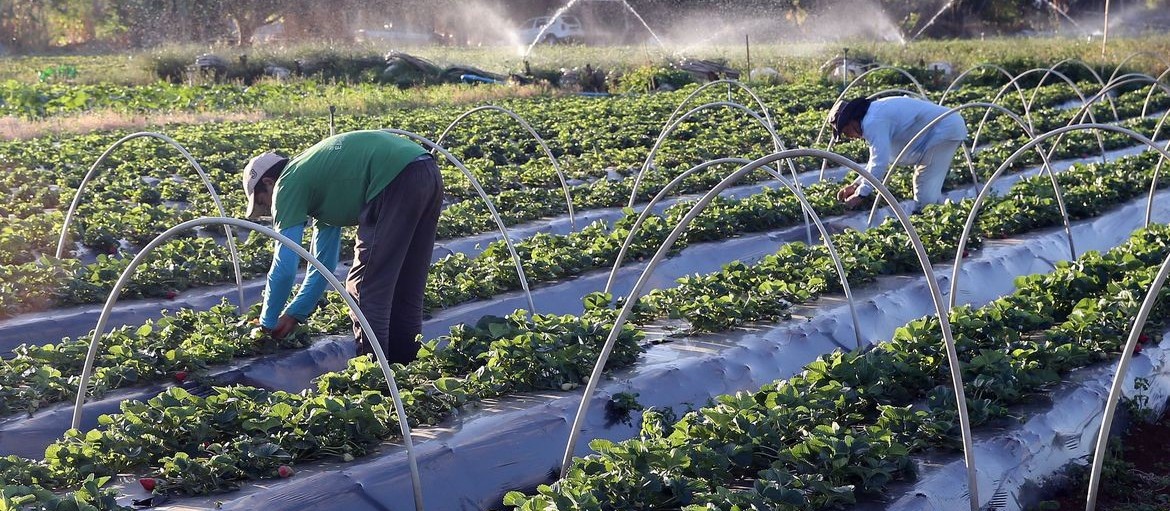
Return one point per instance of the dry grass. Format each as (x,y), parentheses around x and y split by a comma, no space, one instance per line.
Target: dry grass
(14,128)
(379,100)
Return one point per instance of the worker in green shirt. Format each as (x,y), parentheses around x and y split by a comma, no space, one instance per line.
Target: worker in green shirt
(386,185)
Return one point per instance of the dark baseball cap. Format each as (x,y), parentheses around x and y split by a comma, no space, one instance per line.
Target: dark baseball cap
(844,112)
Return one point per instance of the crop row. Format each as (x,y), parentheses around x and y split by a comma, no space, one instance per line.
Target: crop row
(846,427)
(738,294)
(41,283)
(495,357)
(858,444)
(518,166)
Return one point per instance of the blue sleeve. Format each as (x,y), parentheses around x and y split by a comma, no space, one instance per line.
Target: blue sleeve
(327,249)
(281,276)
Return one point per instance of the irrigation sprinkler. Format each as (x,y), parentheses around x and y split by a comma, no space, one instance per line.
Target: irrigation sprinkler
(845,68)
(539,140)
(93,170)
(1115,388)
(784,182)
(920,252)
(777,144)
(1045,159)
(1011,159)
(487,201)
(87,369)
(332,110)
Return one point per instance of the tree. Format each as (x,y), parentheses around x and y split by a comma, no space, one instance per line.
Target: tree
(248,15)
(22,24)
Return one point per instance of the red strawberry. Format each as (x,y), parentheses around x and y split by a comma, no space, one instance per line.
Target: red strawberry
(966,253)
(285,471)
(1137,350)
(148,483)
(112,249)
(172,294)
(181,376)
(1143,338)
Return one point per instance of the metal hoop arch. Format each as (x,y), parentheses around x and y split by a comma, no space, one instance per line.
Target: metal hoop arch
(1045,158)
(487,201)
(1157,168)
(539,140)
(897,92)
(920,251)
(1011,81)
(1115,388)
(784,182)
(1092,71)
(673,125)
(730,83)
(1027,106)
(1124,80)
(1120,81)
(93,171)
(675,122)
(1131,56)
(87,369)
(1146,104)
(1011,159)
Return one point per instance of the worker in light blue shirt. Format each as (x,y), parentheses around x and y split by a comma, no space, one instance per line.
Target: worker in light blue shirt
(888,125)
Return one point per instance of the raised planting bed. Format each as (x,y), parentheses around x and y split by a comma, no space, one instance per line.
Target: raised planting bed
(678,374)
(560,296)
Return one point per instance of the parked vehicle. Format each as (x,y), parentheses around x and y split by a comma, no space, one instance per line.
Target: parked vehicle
(563,29)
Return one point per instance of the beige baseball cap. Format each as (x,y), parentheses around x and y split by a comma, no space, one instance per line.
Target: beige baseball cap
(256,169)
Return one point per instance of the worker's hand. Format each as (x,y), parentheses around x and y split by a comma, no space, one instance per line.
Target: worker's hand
(847,191)
(851,196)
(854,201)
(284,326)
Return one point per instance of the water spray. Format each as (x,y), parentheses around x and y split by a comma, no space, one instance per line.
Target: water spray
(544,29)
(931,21)
(1062,13)
(644,24)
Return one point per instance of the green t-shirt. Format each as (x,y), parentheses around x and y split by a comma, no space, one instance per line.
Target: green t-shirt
(332,180)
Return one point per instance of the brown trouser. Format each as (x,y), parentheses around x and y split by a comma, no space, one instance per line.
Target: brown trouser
(392,257)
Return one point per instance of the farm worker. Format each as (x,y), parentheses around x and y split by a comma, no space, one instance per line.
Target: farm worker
(386,185)
(887,125)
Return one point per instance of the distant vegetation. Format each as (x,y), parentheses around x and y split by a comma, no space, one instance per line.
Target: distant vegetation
(90,25)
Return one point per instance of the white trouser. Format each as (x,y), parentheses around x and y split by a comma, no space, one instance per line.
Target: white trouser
(932,171)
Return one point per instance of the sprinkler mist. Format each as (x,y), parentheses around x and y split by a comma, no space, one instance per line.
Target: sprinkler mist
(561,11)
(932,19)
(543,30)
